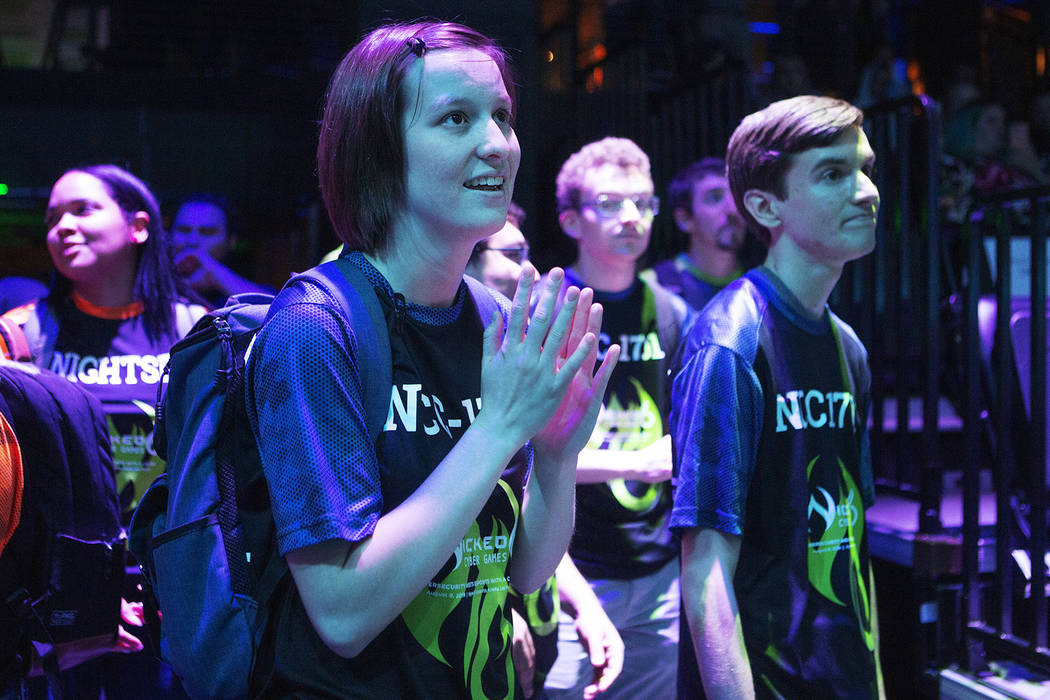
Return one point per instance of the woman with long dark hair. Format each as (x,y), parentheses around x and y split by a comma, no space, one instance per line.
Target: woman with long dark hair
(114,308)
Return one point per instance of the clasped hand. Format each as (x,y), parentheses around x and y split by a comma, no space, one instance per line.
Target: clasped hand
(536,379)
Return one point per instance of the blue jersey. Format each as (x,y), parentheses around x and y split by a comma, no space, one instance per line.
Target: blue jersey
(681,276)
(769,415)
(329,481)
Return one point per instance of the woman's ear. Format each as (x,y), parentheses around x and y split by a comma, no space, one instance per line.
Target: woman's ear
(764,207)
(570,222)
(140,227)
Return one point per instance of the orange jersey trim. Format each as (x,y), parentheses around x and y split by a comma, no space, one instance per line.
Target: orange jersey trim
(110,313)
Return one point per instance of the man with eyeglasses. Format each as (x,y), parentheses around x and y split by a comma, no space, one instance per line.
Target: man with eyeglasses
(496,261)
(622,544)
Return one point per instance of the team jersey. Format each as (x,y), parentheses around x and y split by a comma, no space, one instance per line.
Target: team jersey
(681,276)
(108,352)
(769,415)
(621,525)
(328,481)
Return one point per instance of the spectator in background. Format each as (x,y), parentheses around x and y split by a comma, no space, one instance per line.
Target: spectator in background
(204,234)
(885,77)
(778,598)
(703,210)
(114,309)
(791,77)
(981,155)
(621,543)
(962,90)
(496,261)
(1040,130)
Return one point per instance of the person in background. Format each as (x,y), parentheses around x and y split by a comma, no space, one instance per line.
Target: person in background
(982,154)
(703,210)
(496,262)
(769,415)
(1039,119)
(621,544)
(114,308)
(999,153)
(884,77)
(204,233)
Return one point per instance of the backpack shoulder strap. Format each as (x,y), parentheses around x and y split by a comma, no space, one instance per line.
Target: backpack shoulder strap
(352,293)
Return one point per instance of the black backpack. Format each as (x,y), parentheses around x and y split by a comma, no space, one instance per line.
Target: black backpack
(62,571)
(203,532)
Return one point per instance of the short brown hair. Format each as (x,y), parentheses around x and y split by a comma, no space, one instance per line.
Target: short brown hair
(680,191)
(361,149)
(762,147)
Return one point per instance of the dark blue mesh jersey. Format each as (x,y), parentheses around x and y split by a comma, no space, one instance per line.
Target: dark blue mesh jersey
(769,415)
(327,481)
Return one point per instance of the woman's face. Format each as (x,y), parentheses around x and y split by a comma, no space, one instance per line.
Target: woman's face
(89,237)
(461,152)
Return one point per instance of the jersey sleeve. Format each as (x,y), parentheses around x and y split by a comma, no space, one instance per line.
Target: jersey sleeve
(304,399)
(716,423)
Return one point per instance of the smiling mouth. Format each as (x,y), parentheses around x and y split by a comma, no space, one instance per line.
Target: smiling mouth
(487,183)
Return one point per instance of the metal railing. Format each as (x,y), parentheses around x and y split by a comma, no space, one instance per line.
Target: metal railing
(893,297)
(1007,402)
(673,128)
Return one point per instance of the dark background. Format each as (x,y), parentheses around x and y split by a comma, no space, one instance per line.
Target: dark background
(224,96)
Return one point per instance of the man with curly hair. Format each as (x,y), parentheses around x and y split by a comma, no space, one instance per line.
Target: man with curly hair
(621,544)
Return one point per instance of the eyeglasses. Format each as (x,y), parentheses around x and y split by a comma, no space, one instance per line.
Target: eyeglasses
(609,205)
(518,254)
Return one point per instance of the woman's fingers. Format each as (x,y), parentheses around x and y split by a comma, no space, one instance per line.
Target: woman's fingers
(601,378)
(519,311)
(580,321)
(556,343)
(543,311)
